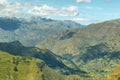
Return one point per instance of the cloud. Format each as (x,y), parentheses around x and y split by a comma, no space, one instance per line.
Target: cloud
(46,10)
(87,1)
(26,9)
(10,9)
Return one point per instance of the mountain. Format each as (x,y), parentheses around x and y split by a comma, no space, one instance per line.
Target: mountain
(24,68)
(96,62)
(16,48)
(88,53)
(30,31)
(94,49)
(72,41)
(51,60)
(27,68)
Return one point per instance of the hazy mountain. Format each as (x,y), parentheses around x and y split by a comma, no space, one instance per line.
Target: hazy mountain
(72,41)
(29,31)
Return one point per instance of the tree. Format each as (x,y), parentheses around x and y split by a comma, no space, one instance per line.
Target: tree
(15,69)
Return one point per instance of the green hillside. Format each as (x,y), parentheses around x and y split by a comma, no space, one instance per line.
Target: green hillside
(26,68)
(23,68)
(94,49)
(89,53)
(50,63)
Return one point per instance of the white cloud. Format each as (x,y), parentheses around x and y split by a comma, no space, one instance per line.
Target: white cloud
(10,9)
(19,10)
(46,10)
(78,1)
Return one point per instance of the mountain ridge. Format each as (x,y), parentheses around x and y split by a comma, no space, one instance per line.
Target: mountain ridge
(29,31)
(77,38)
(51,60)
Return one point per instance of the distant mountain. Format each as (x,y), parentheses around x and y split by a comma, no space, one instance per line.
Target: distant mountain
(72,41)
(30,31)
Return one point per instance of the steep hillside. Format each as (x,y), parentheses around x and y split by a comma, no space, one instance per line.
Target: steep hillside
(94,49)
(94,63)
(30,31)
(25,68)
(33,64)
(72,41)
(52,60)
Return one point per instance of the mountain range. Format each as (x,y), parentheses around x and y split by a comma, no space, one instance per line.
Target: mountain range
(30,31)
(39,64)
(94,49)
(74,53)
(72,41)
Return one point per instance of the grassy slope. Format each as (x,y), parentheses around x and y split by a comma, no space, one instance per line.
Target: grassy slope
(85,46)
(26,69)
(98,60)
(115,75)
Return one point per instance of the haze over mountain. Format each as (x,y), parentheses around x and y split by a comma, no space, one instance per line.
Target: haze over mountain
(30,31)
(72,41)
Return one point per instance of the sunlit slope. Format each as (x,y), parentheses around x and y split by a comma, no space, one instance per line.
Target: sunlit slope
(115,75)
(19,68)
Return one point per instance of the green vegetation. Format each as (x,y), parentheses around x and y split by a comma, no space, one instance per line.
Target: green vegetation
(50,63)
(115,75)
(90,53)
(19,68)
(94,49)
(28,68)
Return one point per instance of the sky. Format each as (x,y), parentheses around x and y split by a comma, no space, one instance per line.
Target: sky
(81,11)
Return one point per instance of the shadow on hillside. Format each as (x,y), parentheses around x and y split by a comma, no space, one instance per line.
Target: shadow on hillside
(16,48)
